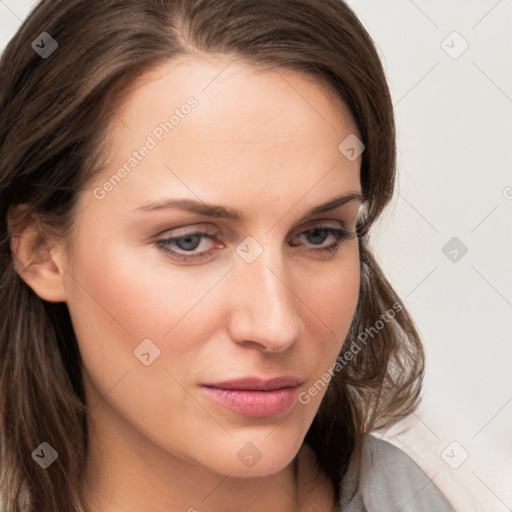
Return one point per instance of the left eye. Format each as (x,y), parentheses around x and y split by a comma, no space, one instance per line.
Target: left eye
(189,242)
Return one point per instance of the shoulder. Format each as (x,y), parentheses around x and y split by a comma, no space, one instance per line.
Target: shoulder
(386,478)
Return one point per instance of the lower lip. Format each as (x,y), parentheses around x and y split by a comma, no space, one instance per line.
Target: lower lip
(256,404)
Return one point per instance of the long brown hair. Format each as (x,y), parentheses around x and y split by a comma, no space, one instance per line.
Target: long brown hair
(55,114)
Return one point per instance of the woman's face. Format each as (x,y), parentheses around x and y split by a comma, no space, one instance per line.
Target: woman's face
(262,296)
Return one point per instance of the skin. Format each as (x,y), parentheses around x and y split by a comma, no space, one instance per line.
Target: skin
(264,142)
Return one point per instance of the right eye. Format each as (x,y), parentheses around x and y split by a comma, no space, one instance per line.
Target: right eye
(187,242)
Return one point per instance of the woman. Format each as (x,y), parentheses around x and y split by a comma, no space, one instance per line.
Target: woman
(193,318)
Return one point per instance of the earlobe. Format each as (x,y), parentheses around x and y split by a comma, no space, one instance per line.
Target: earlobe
(35,256)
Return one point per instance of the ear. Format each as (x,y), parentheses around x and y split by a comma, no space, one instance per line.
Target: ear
(35,255)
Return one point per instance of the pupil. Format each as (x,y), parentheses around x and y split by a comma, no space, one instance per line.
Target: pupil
(189,242)
(314,235)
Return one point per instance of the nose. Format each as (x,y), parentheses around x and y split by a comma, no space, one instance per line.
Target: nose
(264,304)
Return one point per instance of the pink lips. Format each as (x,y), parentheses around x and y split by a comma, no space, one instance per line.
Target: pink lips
(256,397)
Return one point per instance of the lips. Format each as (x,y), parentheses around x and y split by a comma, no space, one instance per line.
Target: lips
(257,383)
(256,397)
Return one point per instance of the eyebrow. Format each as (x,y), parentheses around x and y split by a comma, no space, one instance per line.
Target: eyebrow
(218,211)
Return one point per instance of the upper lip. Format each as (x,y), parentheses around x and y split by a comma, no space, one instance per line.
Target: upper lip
(257,383)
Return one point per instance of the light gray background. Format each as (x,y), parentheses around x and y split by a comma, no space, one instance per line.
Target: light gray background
(454,119)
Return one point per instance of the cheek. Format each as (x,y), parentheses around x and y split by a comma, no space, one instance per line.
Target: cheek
(334,304)
(129,291)
(117,302)
(333,294)
(121,296)
(333,299)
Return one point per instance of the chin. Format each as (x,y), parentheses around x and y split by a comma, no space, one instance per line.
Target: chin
(246,458)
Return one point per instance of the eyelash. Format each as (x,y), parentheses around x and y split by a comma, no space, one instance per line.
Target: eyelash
(341,236)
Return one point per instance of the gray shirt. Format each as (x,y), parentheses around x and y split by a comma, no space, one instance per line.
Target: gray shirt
(389,481)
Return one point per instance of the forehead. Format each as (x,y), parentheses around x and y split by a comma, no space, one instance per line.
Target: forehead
(250,131)
(240,95)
